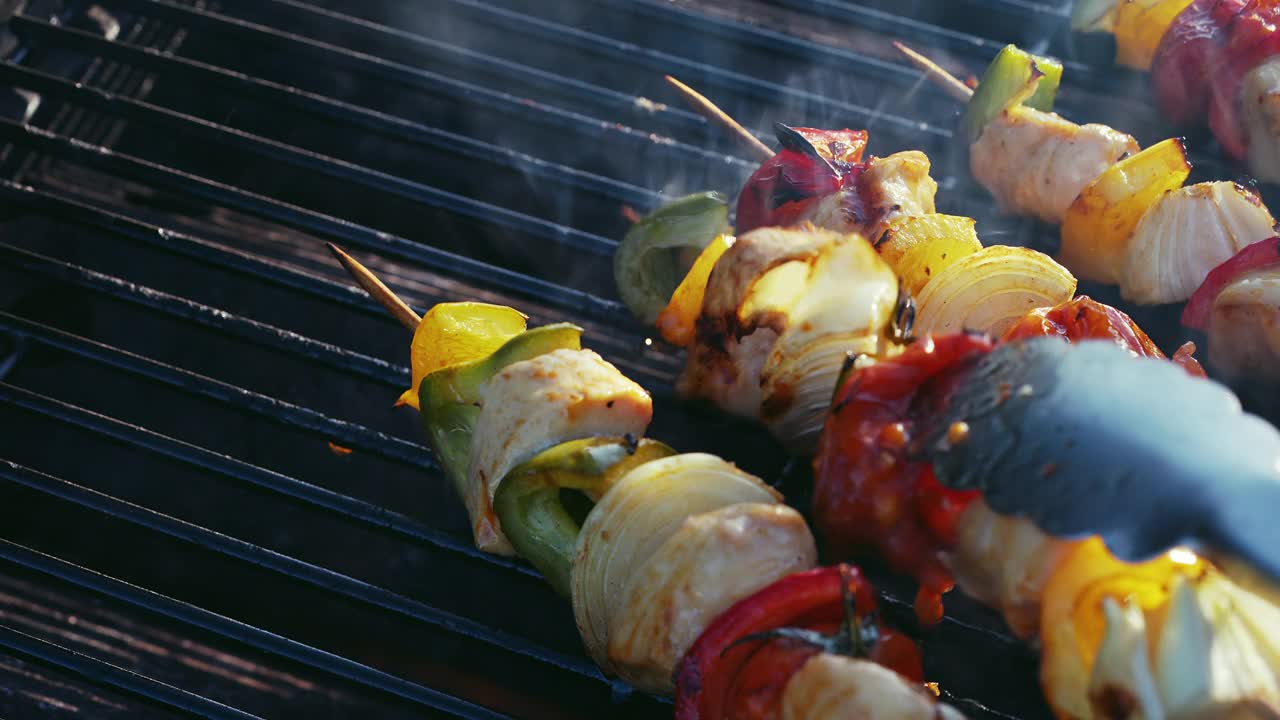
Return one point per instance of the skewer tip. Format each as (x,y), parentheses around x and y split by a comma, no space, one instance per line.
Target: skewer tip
(338,253)
(377,290)
(711,112)
(936,73)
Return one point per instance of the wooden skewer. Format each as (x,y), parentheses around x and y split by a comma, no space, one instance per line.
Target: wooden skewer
(935,72)
(710,111)
(378,290)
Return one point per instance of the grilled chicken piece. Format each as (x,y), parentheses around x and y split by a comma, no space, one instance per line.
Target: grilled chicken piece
(733,340)
(1260,111)
(782,310)
(1188,233)
(890,186)
(1036,163)
(834,686)
(1005,562)
(1244,326)
(712,561)
(532,405)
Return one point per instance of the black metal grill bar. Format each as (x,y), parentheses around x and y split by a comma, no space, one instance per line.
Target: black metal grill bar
(304,160)
(712,76)
(606,97)
(568,37)
(1110,79)
(282,485)
(335,56)
(911,29)
(1061,11)
(850,61)
(68,209)
(523,74)
(119,678)
(324,579)
(408,131)
(278,411)
(580,303)
(236,631)
(258,333)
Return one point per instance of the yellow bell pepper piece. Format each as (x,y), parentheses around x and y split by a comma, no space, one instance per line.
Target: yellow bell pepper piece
(1099,224)
(455,333)
(918,247)
(677,320)
(1139,25)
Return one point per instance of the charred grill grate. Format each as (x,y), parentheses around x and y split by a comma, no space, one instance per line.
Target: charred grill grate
(183,372)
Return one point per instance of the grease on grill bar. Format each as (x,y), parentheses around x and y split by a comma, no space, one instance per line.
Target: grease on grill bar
(177,353)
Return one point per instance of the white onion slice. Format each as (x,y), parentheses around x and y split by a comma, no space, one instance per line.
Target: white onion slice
(713,560)
(990,290)
(1188,233)
(848,299)
(633,519)
(1211,650)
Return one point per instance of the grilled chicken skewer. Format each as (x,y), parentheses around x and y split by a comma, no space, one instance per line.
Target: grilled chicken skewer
(1133,223)
(874,494)
(1214,62)
(674,543)
(1000,558)
(1126,219)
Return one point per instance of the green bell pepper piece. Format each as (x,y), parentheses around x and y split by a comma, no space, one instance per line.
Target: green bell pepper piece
(449,398)
(1015,77)
(658,251)
(532,511)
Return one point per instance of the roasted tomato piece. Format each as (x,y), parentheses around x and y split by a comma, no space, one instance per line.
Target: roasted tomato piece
(1084,318)
(870,496)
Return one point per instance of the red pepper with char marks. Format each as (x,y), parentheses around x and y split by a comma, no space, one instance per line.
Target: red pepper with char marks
(1203,58)
(740,665)
(811,165)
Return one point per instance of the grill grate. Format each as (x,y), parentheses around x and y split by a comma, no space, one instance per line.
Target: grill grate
(181,366)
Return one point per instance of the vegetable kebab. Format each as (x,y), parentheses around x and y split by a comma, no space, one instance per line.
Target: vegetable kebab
(1126,217)
(1214,62)
(522,419)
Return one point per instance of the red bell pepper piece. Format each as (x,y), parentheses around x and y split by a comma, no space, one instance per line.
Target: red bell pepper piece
(1259,255)
(741,663)
(1182,71)
(869,496)
(1203,58)
(785,187)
